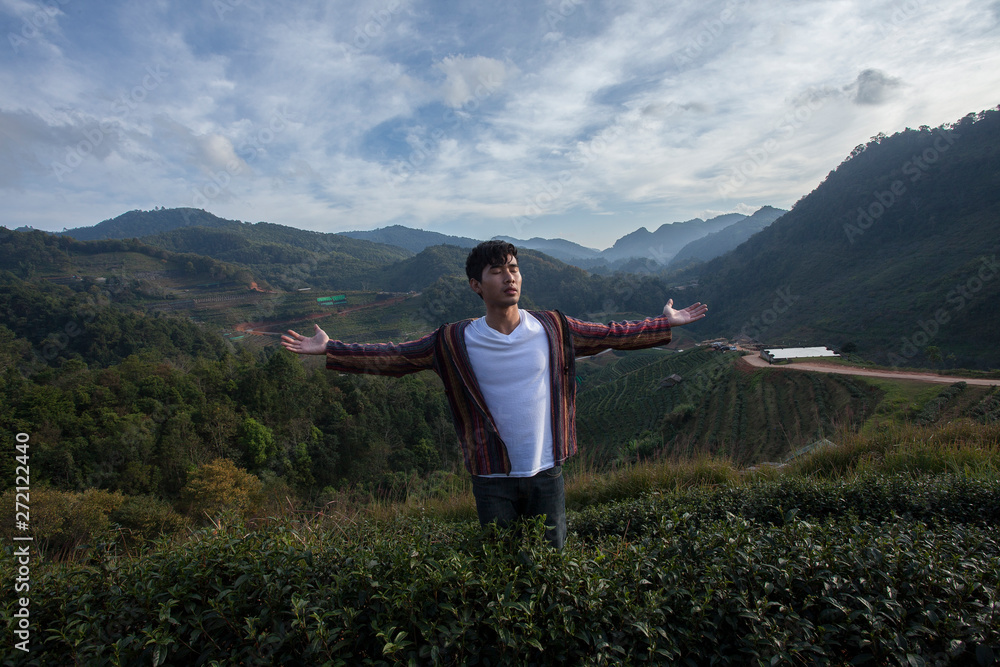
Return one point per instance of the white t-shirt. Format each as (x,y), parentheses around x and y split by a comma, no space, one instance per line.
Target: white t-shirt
(513,375)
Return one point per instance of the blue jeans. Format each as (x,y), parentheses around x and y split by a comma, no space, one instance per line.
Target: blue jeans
(503,500)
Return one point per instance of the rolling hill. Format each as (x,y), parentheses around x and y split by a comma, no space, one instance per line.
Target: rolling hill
(286,257)
(138,223)
(413,240)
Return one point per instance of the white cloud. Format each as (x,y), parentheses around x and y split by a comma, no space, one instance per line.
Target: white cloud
(218,152)
(477,77)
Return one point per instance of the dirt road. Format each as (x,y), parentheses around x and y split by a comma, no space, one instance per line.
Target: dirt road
(820,367)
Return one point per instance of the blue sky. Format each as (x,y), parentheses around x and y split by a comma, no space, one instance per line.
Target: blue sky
(578,119)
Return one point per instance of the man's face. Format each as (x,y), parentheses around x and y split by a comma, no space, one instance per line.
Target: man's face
(500,284)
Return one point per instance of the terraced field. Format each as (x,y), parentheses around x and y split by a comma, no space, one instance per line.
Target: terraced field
(624,408)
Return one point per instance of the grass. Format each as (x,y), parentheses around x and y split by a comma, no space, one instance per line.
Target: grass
(586,487)
(962,447)
(902,397)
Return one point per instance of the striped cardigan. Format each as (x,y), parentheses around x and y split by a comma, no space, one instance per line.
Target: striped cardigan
(444,352)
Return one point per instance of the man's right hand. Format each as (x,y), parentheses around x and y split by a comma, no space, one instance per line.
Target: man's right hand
(299,344)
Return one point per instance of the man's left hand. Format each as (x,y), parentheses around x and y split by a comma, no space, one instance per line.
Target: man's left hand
(692,313)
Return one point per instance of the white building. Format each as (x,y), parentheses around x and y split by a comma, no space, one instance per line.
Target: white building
(780,354)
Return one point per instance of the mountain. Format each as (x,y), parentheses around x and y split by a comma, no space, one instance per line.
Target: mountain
(894,252)
(720,242)
(629,253)
(138,223)
(86,300)
(286,257)
(413,240)
(416,240)
(561,249)
(667,240)
(195,230)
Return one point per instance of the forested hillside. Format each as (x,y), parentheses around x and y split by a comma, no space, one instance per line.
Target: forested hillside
(120,394)
(895,252)
(413,240)
(286,257)
(35,254)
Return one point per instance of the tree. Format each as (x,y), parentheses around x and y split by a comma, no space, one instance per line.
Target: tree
(219,488)
(257,441)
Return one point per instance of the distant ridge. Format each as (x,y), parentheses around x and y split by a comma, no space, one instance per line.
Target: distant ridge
(414,240)
(663,244)
(417,240)
(660,246)
(719,243)
(561,249)
(287,257)
(636,249)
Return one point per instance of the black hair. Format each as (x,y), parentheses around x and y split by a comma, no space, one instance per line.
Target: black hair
(488,253)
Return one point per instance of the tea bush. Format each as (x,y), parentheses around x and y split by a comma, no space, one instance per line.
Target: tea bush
(879,570)
(871,497)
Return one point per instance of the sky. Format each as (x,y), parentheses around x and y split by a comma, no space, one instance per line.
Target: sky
(578,119)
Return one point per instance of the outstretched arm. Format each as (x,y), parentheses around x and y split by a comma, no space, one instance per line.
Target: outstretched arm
(692,313)
(299,344)
(378,358)
(591,337)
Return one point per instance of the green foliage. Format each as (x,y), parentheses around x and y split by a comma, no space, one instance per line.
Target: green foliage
(141,425)
(873,496)
(959,447)
(257,442)
(144,518)
(794,572)
(63,521)
(987,411)
(219,489)
(63,324)
(931,411)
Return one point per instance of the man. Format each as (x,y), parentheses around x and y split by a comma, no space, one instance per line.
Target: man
(510,381)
